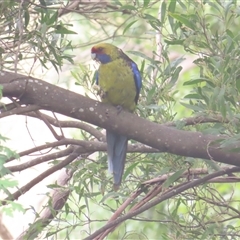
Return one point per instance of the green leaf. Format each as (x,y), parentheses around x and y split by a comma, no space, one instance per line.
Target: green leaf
(193,96)
(214,5)
(26,18)
(129,170)
(43,63)
(175,210)
(175,76)
(111,195)
(142,55)
(183,19)
(2,138)
(128,26)
(221,102)
(141,69)
(198,81)
(117,2)
(170,180)
(12,206)
(172,6)
(230,33)
(128,7)
(174,42)
(227,143)
(43,3)
(62,30)
(163,11)
(67,208)
(146,3)
(193,107)
(153,21)
(8,183)
(3,170)
(1,88)
(53,18)
(238,84)
(212,164)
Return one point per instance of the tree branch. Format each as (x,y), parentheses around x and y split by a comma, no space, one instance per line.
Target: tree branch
(4,232)
(199,119)
(43,175)
(166,195)
(57,200)
(71,124)
(19,110)
(41,159)
(166,139)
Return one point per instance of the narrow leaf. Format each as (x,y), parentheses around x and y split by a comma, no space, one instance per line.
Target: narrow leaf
(173,178)
(128,26)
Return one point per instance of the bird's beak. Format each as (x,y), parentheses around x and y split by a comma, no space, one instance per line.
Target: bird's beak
(93,55)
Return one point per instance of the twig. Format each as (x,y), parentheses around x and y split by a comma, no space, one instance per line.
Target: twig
(166,195)
(71,124)
(41,159)
(199,120)
(191,173)
(87,145)
(19,110)
(42,117)
(57,199)
(43,175)
(58,124)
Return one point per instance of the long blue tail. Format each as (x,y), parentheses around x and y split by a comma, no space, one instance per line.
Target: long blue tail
(116,149)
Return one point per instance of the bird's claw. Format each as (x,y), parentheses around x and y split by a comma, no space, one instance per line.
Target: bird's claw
(119,109)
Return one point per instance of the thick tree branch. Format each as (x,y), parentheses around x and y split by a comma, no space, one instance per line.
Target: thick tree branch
(166,139)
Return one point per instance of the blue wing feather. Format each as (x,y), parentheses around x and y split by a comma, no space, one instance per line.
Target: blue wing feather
(136,73)
(137,79)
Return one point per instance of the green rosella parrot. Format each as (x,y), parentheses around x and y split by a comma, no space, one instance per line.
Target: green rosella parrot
(120,84)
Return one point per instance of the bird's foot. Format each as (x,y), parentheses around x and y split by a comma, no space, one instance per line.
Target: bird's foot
(100,92)
(119,109)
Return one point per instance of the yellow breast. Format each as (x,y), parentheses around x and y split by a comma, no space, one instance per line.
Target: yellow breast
(116,80)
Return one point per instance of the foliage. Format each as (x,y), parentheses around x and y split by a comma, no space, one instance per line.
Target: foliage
(188,53)
(6,183)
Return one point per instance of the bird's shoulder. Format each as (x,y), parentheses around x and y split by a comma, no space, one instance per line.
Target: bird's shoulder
(117,64)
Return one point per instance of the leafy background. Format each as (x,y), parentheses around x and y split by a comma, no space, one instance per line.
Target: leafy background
(188,54)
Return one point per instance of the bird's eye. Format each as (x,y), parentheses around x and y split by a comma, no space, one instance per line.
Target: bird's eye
(100,49)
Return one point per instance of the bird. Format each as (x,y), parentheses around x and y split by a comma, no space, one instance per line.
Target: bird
(120,82)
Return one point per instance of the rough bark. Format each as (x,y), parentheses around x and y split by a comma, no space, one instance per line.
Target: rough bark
(167,139)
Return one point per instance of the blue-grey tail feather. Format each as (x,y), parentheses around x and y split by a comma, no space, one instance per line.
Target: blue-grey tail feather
(116,149)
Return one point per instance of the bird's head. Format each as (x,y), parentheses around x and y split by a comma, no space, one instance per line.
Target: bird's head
(105,52)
